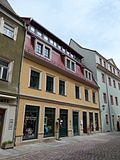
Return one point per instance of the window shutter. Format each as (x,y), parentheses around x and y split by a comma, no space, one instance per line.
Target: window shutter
(10,71)
(1,24)
(15,33)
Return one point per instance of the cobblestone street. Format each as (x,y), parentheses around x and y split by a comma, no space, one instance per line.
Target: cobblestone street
(104,146)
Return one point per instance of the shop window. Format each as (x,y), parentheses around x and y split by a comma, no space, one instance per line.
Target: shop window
(96,122)
(31,119)
(49,122)
(94,97)
(86,95)
(35,80)
(50,86)
(61,87)
(77,92)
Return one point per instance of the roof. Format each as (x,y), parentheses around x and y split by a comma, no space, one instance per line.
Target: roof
(29,20)
(7,5)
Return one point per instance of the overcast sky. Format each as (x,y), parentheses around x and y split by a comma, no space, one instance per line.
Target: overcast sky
(94,24)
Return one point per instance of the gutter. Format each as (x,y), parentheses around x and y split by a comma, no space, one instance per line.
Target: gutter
(18,96)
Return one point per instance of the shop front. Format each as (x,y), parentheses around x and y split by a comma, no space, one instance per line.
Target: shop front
(31,119)
(49,122)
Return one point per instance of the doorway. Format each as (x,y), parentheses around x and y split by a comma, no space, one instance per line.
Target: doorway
(64,126)
(84,122)
(75,123)
(2,113)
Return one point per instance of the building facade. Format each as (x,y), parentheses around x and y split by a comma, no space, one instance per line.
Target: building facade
(54,87)
(107,75)
(12,35)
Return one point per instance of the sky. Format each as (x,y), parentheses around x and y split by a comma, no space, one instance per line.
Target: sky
(94,24)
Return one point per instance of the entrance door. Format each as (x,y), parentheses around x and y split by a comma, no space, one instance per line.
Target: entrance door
(84,122)
(75,123)
(64,125)
(1,122)
(91,125)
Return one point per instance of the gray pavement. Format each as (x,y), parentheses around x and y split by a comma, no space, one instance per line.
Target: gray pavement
(101,146)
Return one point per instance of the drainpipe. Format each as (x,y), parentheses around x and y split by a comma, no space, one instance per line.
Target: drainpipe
(108,103)
(18,96)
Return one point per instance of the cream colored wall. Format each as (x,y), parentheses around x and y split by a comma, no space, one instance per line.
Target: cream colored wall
(70,86)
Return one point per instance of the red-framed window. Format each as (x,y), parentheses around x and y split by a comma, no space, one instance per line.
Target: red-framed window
(114,70)
(116,101)
(119,86)
(109,80)
(104,64)
(100,59)
(111,68)
(105,97)
(114,83)
(103,77)
(111,99)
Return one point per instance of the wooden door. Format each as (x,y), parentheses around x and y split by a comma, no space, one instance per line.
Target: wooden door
(1,122)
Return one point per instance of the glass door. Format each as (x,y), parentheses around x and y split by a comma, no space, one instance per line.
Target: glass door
(75,124)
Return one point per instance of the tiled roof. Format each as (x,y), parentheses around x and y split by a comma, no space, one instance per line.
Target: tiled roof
(6,4)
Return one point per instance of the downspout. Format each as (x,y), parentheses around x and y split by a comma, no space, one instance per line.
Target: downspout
(18,96)
(108,103)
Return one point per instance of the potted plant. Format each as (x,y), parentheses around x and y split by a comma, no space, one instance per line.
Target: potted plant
(7,145)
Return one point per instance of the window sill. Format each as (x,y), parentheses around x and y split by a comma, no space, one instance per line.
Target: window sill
(8,36)
(63,95)
(50,92)
(4,80)
(39,89)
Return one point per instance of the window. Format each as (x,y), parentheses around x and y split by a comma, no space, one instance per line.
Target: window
(109,80)
(94,97)
(77,92)
(86,95)
(39,48)
(68,63)
(73,66)
(105,97)
(39,33)
(46,37)
(32,29)
(106,117)
(100,61)
(103,77)
(111,98)
(114,83)
(50,83)
(104,64)
(3,70)
(119,86)
(114,70)
(111,68)
(35,79)
(61,87)
(51,41)
(8,29)
(47,52)
(87,74)
(116,100)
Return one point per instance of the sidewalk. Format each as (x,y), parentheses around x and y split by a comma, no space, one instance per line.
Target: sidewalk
(29,148)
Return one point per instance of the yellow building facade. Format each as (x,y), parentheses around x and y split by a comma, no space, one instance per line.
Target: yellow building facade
(53,101)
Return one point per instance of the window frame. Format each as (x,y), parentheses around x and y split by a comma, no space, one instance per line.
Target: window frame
(80,94)
(52,76)
(64,88)
(71,61)
(94,101)
(88,95)
(87,74)
(40,78)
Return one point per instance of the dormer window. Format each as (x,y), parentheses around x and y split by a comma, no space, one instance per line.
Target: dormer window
(32,29)
(55,44)
(70,64)
(47,52)
(45,37)
(59,47)
(87,74)
(39,33)
(51,41)
(63,50)
(39,48)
